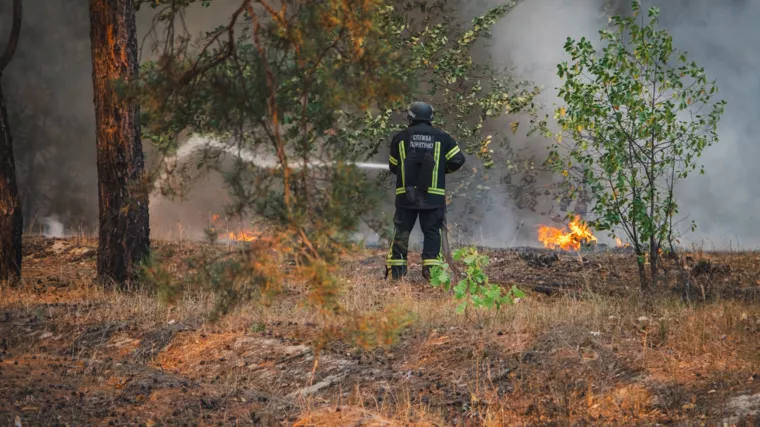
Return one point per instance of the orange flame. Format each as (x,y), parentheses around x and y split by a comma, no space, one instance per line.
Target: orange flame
(242,236)
(621,244)
(566,240)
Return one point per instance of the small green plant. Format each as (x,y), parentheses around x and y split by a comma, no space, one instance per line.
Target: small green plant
(258,327)
(474,289)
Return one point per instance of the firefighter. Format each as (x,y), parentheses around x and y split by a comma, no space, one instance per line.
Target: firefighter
(421,156)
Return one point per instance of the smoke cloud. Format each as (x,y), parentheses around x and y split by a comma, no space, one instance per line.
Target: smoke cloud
(53,227)
(48,92)
(529,43)
(722,37)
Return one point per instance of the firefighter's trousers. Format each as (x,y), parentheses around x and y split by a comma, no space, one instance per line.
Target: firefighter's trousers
(431,222)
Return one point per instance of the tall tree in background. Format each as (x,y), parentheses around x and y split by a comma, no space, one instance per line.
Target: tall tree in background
(637,118)
(11,221)
(124,234)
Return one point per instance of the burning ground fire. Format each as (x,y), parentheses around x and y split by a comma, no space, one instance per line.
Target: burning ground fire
(553,238)
(240,236)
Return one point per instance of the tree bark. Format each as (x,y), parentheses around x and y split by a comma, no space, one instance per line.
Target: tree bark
(11,221)
(654,255)
(640,257)
(643,283)
(124,234)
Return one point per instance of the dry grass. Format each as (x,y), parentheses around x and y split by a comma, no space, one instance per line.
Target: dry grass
(605,354)
(357,416)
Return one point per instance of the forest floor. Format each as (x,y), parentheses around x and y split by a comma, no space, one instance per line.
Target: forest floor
(587,348)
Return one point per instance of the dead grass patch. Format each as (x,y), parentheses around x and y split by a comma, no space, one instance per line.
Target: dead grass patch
(602,354)
(355,417)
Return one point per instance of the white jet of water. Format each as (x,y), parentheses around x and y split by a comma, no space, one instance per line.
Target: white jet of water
(196,143)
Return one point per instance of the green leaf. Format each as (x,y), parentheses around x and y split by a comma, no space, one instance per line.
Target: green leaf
(460,290)
(516,292)
(470,259)
(461,307)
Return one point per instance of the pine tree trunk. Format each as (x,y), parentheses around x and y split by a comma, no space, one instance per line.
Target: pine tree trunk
(124,234)
(11,221)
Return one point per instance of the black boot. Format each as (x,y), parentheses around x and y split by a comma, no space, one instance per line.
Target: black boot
(396,272)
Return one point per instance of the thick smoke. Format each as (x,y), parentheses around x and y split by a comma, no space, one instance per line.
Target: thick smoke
(721,36)
(528,42)
(724,38)
(48,91)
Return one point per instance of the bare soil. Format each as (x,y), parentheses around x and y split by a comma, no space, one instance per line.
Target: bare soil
(586,347)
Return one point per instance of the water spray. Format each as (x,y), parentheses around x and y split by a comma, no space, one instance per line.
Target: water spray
(196,143)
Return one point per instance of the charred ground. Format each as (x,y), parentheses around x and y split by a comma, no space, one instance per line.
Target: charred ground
(585,347)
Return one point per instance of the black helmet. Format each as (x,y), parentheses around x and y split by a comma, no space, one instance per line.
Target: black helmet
(419,111)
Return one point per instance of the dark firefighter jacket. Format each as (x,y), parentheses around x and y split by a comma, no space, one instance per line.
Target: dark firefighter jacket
(421,156)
